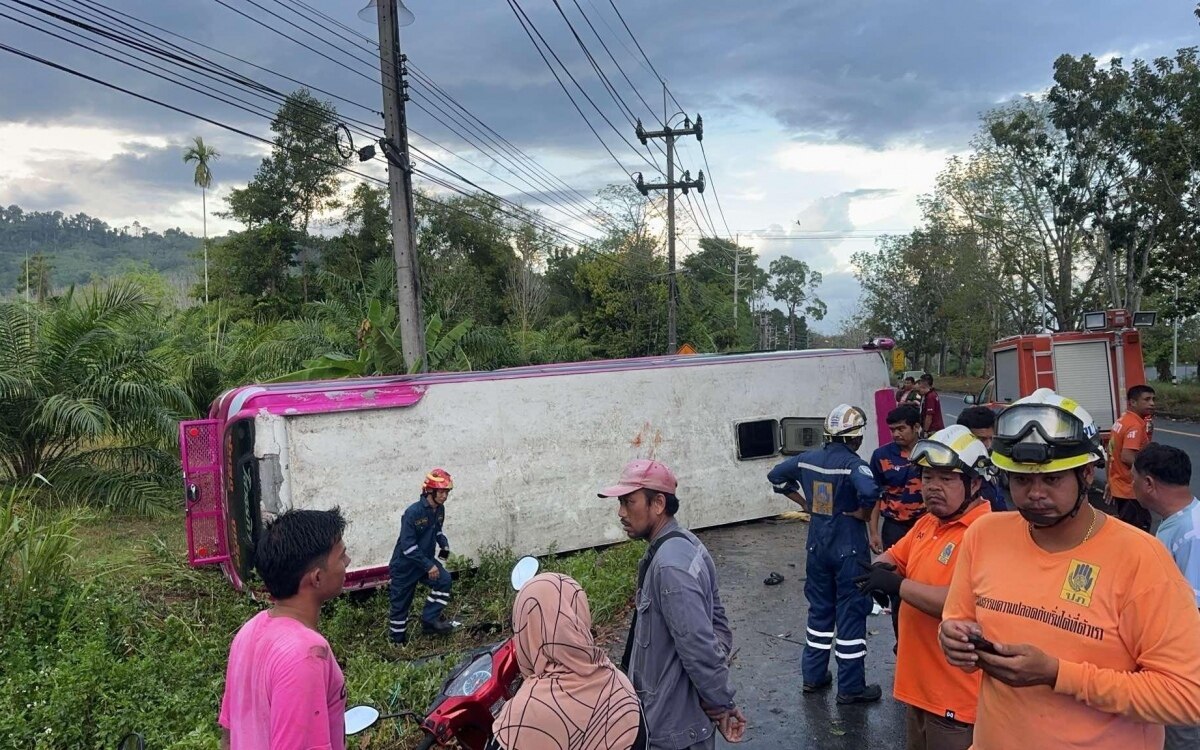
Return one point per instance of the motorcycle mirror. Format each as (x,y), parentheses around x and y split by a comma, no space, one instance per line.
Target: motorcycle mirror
(359,718)
(525,569)
(132,741)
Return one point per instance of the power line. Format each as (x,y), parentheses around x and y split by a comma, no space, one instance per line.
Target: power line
(530,30)
(577,216)
(438,91)
(622,105)
(644,56)
(254,87)
(503,143)
(600,39)
(143,97)
(716,195)
(167,74)
(284,34)
(239,131)
(110,11)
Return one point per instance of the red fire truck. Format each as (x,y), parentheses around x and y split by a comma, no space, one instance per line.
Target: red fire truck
(1095,366)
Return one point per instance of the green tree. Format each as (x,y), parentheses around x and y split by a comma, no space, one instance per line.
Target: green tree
(203,155)
(300,177)
(795,285)
(253,271)
(467,252)
(367,235)
(85,404)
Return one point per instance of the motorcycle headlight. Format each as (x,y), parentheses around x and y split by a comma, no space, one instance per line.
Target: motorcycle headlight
(469,679)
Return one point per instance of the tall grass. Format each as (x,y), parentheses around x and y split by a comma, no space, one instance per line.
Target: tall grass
(37,549)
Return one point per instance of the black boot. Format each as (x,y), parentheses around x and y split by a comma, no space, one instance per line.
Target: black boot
(870,694)
(440,626)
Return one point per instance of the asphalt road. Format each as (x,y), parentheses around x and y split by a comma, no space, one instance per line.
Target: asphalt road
(768,625)
(1182,435)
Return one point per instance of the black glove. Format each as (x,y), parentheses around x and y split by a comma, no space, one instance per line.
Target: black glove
(882,578)
(444,553)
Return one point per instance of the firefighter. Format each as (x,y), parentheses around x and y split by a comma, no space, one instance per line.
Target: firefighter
(413,560)
(838,489)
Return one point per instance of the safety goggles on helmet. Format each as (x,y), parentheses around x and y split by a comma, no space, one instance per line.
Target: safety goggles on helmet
(1055,425)
(1043,435)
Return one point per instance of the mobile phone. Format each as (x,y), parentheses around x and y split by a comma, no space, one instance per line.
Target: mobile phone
(981,644)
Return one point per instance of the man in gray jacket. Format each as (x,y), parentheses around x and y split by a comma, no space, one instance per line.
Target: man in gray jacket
(679,644)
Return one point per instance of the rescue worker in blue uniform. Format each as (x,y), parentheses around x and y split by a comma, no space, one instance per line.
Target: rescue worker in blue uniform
(413,561)
(838,490)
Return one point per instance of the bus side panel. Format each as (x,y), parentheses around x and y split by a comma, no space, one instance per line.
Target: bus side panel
(528,455)
(200,452)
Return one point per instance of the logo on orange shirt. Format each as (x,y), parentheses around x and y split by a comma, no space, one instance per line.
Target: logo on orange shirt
(1080,583)
(948,550)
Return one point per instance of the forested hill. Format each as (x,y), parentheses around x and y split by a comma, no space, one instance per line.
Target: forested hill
(79,247)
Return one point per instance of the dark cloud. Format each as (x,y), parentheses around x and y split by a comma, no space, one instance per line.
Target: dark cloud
(852,71)
(847,71)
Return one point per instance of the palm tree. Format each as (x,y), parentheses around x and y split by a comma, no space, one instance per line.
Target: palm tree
(203,155)
(86,406)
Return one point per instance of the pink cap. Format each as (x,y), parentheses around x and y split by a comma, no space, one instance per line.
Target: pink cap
(642,474)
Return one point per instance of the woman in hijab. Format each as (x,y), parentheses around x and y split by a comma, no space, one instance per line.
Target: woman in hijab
(573,698)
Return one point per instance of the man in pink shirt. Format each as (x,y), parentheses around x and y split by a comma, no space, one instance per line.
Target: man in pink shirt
(283,687)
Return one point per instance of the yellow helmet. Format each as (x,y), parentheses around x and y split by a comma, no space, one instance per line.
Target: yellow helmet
(845,421)
(1044,433)
(952,448)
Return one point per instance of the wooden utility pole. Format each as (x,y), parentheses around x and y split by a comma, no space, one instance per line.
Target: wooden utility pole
(670,134)
(395,148)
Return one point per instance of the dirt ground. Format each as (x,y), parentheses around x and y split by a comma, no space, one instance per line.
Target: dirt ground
(768,625)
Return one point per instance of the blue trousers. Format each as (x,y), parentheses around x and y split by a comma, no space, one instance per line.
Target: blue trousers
(837,619)
(405,577)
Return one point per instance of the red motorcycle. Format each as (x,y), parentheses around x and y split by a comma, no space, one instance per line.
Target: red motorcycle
(472,695)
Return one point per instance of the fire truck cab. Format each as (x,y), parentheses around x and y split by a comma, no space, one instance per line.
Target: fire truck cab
(1095,367)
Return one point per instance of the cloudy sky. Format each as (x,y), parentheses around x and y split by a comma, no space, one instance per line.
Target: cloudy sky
(821,116)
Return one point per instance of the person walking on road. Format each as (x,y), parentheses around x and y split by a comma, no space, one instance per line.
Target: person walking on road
(1129,434)
(1085,631)
(677,652)
(838,489)
(1162,476)
(413,561)
(941,699)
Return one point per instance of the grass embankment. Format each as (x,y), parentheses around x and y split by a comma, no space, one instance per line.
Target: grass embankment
(1179,401)
(132,639)
(959,383)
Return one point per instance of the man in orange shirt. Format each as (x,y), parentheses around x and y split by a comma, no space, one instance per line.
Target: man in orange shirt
(1129,434)
(1087,634)
(941,699)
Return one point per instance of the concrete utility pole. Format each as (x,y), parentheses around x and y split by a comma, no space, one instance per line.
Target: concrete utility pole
(670,134)
(395,148)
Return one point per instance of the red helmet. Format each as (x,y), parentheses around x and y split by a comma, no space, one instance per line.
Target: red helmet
(438,479)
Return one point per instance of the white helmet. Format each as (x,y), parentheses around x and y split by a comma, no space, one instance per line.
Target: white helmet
(845,421)
(954,447)
(1045,432)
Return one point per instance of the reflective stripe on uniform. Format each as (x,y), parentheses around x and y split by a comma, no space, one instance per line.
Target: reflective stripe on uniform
(822,469)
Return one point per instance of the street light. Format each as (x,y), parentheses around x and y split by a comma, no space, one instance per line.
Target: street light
(370,14)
